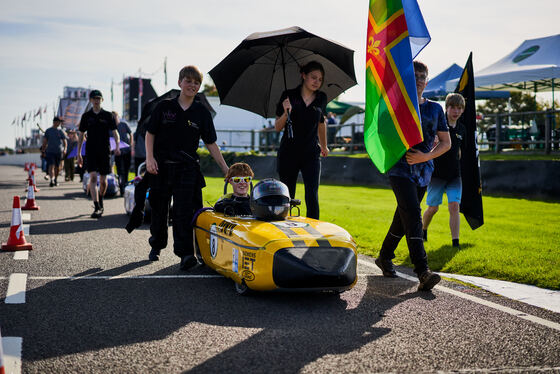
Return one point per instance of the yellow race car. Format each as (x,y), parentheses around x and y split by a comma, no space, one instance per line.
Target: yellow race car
(273,250)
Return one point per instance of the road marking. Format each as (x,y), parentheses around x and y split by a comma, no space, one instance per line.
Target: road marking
(16,289)
(12,354)
(505,309)
(21,255)
(26,216)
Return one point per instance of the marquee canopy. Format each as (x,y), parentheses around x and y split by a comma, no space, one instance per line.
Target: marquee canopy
(533,66)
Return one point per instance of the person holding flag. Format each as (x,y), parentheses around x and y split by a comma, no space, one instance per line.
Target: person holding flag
(400,125)
(409,178)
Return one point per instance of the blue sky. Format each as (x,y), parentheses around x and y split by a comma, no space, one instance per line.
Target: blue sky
(45,46)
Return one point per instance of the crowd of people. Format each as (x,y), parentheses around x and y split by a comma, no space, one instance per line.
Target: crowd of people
(176,127)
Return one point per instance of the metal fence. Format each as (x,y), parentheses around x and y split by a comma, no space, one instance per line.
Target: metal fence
(536,131)
(531,131)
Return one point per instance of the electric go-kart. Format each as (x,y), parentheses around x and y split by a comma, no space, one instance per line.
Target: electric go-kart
(273,249)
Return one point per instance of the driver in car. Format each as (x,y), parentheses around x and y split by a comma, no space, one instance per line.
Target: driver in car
(240,176)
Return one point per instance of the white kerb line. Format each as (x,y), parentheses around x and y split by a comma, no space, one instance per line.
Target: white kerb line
(17,286)
(505,309)
(12,354)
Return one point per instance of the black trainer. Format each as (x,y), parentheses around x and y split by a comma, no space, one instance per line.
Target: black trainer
(154,254)
(386,267)
(428,280)
(187,262)
(51,184)
(97,213)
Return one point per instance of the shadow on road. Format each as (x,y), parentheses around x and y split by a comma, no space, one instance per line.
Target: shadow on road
(79,223)
(293,329)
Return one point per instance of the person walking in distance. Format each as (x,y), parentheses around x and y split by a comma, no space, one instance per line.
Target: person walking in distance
(97,124)
(124,160)
(54,146)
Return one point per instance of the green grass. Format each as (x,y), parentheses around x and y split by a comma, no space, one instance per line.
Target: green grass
(519,241)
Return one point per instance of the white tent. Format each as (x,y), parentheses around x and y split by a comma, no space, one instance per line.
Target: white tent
(533,66)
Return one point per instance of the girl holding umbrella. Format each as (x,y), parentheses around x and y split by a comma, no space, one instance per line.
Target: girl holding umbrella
(301,113)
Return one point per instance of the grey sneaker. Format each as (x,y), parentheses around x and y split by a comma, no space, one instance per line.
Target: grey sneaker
(428,280)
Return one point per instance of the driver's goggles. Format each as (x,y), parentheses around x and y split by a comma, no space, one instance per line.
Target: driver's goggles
(241,179)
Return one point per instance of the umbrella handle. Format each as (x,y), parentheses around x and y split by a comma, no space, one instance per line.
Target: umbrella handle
(289,127)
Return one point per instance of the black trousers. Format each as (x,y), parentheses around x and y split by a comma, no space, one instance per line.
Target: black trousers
(407,221)
(123,166)
(288,171)
(180,182)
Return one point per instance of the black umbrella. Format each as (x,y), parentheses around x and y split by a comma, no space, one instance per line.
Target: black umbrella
(149,107)
(254,75)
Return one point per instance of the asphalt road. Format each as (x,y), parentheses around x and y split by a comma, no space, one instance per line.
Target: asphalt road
(93,303)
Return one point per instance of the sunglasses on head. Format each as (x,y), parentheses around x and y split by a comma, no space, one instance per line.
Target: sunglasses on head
(241,179)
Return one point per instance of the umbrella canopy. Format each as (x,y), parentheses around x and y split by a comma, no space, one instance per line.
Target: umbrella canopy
(254,75)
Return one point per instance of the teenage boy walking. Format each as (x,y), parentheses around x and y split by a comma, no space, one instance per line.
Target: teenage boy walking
(97,123)
(447,172)
(173,133)
(54,146)
(409,178)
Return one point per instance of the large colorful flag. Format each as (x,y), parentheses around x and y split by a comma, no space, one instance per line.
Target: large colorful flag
(471,198)
(396,33)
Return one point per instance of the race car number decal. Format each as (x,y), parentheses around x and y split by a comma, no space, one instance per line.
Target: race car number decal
(226,227)
(213,240)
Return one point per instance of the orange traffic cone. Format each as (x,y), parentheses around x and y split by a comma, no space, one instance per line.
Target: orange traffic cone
(16,241)
(26,167)
(30,202)
(33,180)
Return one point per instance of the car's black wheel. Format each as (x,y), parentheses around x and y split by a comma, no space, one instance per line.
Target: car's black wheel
(241,288)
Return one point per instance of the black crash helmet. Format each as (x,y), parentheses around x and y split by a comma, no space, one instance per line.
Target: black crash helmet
(270,200)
